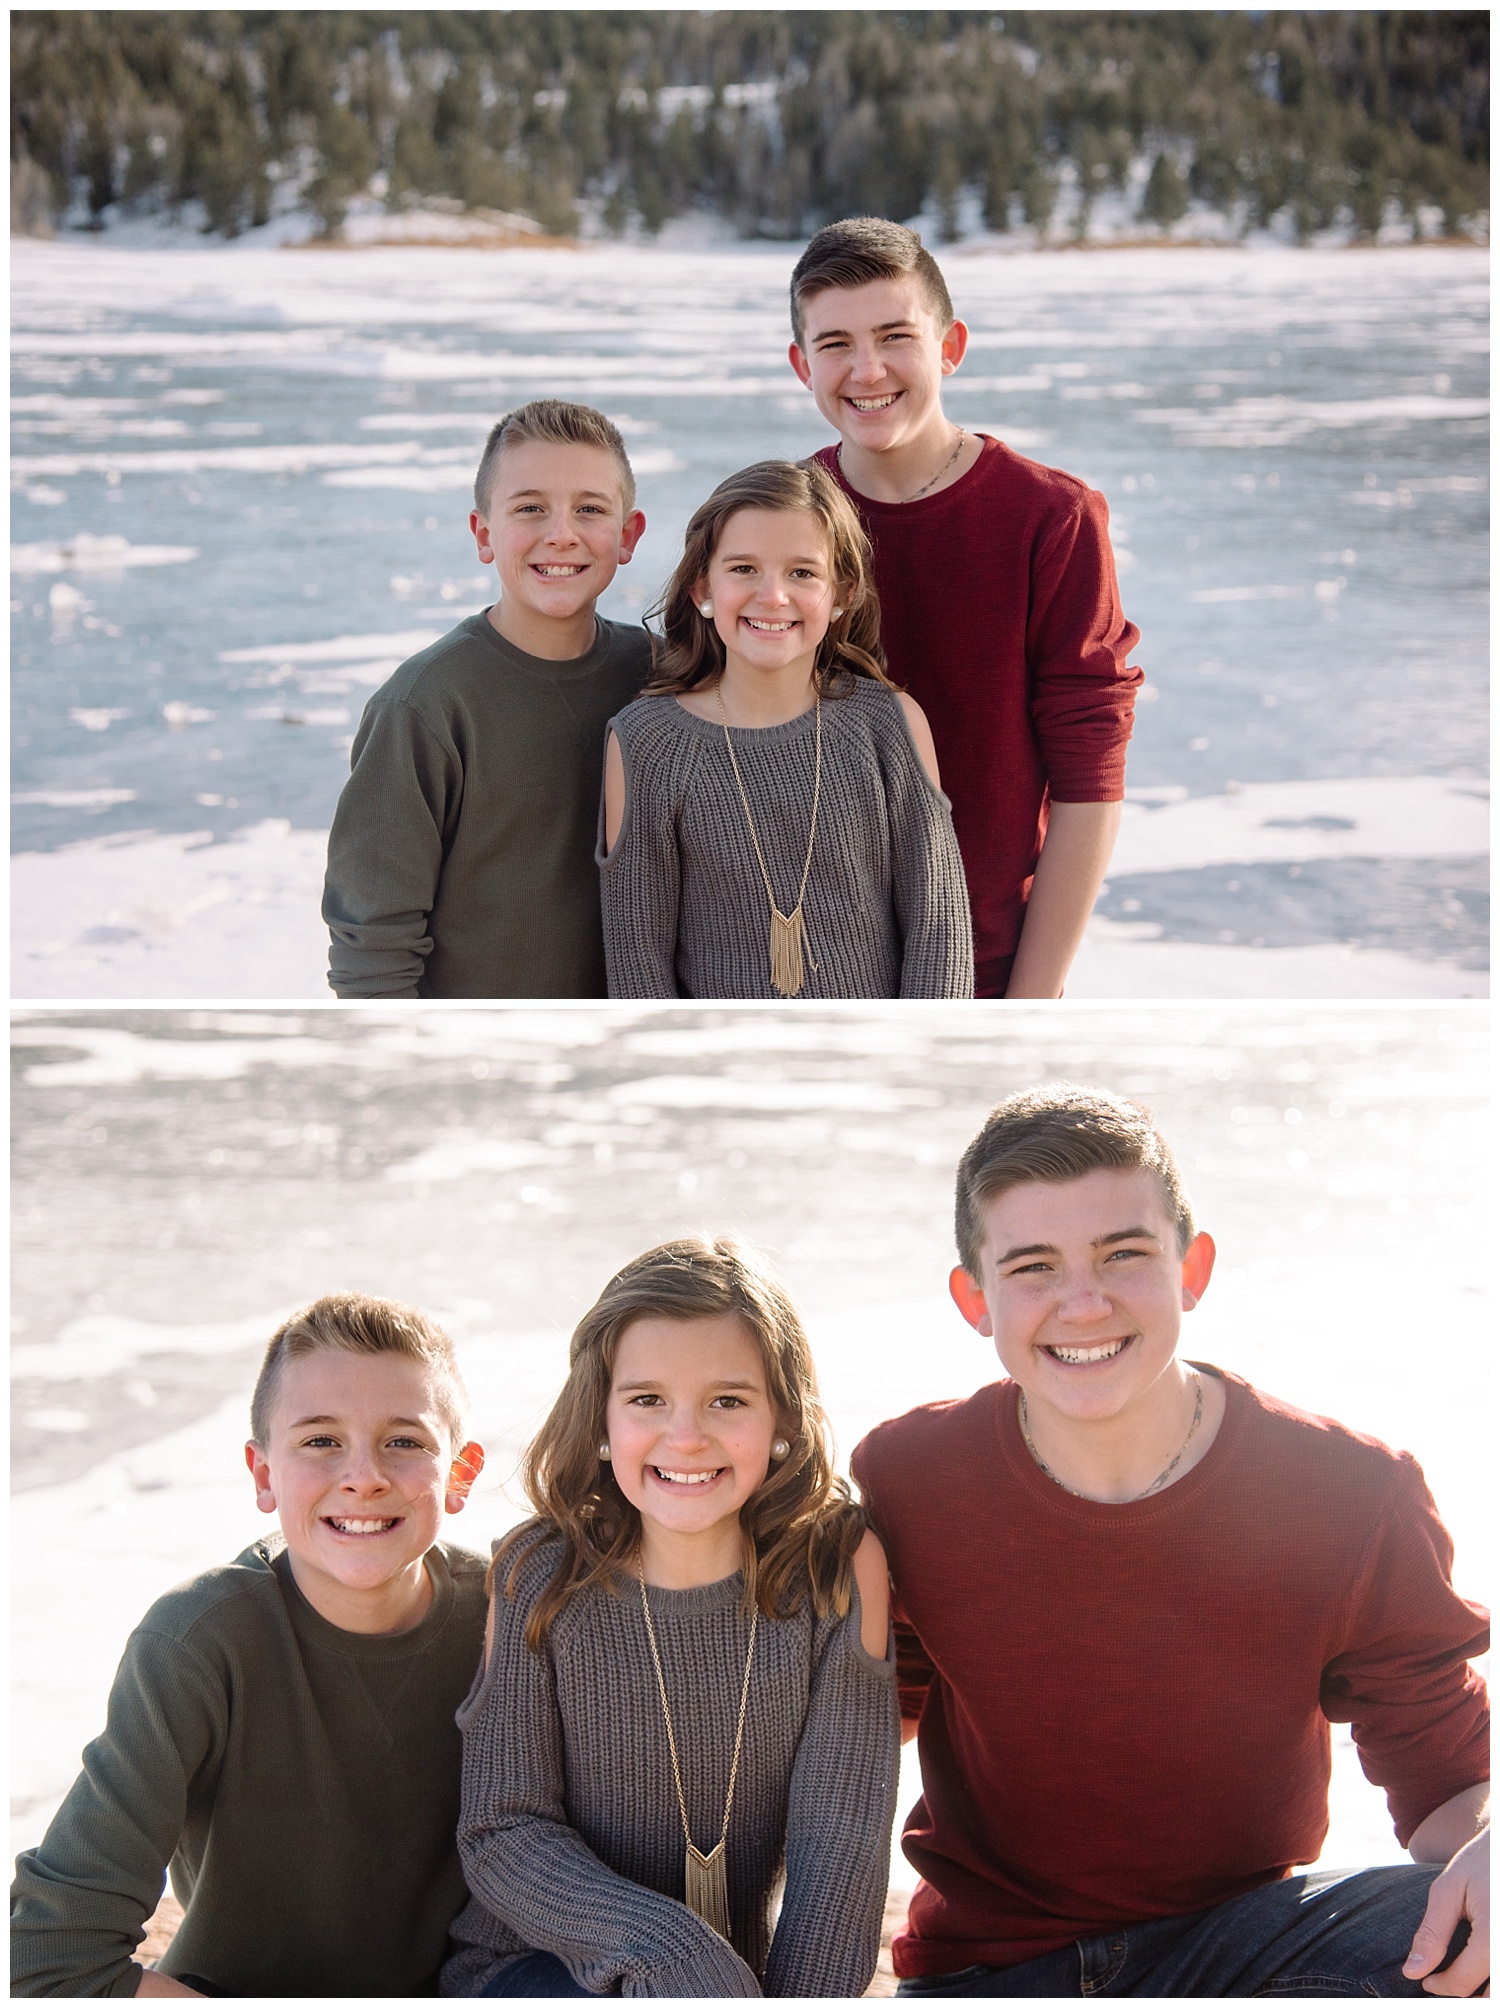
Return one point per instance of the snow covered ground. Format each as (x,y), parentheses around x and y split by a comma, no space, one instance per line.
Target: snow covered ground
(180,916)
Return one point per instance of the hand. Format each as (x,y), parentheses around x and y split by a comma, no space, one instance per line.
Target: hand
(154,1983)
(1461,1891)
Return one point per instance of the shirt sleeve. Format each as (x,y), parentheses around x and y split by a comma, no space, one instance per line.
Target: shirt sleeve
(930,893)
(390,833)
(528,1867)
(1077,642)
(80,1900)
(1418,1711)
(839,1812)
(640,886)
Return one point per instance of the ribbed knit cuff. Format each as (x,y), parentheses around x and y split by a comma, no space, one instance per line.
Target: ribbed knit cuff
(715,1973)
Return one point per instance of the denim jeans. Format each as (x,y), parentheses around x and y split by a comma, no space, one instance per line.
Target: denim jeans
(532,1976)
(1325,1934)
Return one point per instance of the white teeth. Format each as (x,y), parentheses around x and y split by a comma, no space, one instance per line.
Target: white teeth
(558,571)
(768,627)
(361,1526)
(873,403)
(1076,1356)
(684,1477)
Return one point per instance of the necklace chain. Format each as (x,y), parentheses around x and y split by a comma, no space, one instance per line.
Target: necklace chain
(1157,1482)
(917,495)
(786,928)
(739,1733)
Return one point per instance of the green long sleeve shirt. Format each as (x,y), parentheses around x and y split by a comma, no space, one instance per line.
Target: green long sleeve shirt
(461,858)
(302,1782)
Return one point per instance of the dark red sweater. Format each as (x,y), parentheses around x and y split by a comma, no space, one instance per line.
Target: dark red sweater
(1124,1709)
(1001,616)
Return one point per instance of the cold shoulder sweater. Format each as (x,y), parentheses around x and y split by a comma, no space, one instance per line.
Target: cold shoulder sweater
(570,1835)
(685,911)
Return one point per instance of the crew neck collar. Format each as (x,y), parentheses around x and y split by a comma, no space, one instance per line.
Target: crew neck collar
(321,1631)
(566,667)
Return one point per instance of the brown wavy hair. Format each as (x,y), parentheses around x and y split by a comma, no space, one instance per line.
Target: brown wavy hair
(1052,1135)
(799,1529)
(692,653)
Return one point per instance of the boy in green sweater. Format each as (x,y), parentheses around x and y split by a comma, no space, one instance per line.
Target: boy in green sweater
(461,859)
(280,1731)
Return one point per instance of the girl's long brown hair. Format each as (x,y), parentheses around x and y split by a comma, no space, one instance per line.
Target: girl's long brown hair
(692,653)
(799,1529)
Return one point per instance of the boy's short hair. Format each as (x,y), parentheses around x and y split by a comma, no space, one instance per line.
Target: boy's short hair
(351,1323)
(1052,1135)
(556,423)
(863,248)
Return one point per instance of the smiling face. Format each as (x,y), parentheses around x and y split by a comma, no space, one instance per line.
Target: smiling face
(690,1426)
(556,531)
(771,584)
(360,1467)
(1082,1289)
(874,358)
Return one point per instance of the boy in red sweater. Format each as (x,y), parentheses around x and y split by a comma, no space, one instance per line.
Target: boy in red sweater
(999,608)
(1131,1594)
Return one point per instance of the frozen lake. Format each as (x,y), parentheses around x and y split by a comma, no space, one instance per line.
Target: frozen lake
(239,499)
(182,1180)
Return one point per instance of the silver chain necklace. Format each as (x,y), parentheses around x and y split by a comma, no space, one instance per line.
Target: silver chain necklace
(1157,1482)
(958,449)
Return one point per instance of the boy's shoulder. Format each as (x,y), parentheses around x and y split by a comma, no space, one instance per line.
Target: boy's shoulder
(225,1607)
(466,1572)
(462,648)
(441,671)
(219,1597)
(628,642)
(929,1437)
(1320,1451)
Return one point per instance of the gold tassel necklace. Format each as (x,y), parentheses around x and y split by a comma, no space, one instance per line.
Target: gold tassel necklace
(705,1881)
(788,936)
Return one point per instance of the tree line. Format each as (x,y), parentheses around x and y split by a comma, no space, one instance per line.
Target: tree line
(775,121)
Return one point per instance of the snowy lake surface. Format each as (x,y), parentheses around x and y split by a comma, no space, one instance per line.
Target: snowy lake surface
(241,487)
(183,1180)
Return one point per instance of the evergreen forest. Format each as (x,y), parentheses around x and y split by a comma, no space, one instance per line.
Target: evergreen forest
(773,121)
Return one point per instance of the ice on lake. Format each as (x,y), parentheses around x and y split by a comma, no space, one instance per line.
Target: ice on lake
(240,495)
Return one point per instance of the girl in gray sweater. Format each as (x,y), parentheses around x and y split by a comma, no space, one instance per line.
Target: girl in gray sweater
(688,1692)
(772,823)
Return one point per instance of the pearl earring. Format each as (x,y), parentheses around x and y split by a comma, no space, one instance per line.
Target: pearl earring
(835,614)
(707,610)
(780,1448)
(605,1453)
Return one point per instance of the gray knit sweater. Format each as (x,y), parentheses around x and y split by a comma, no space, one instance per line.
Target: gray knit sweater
(570,1834)
(685,912)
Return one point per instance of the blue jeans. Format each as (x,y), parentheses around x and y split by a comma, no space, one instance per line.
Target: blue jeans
(533,1975)
(1314,1934)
